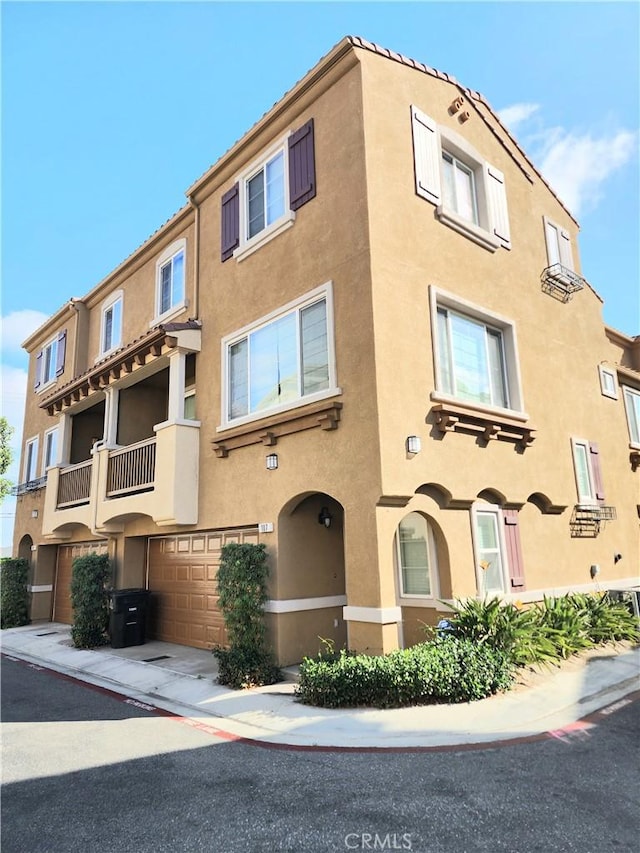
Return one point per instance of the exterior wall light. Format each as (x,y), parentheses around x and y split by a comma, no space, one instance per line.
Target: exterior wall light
(272,461)
(325,517)
(414,445)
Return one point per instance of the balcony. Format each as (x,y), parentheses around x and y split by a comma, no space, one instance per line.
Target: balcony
(156,477)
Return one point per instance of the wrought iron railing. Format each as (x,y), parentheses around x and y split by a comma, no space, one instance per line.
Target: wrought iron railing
(132,469)
(561,282)
(74,484)
(29,486)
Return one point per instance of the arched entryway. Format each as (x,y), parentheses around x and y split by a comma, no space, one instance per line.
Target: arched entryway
(308,584)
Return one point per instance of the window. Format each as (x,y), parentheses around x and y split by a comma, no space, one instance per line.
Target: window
(170,281)
(263,201)
(111,332)
(558,245)
(608,382)
(50,449)
(472,363)
(469,193)
(497,549)
(190,387)
(588,473)
(416,555)
(632,405)
(30,460)
(50,361)
(459,188)
(283,360)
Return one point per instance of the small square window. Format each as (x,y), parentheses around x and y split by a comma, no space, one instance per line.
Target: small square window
(608,382)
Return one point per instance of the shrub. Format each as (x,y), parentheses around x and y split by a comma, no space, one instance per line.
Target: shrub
(14,595)
(445,670)
(242,589)
(90,600)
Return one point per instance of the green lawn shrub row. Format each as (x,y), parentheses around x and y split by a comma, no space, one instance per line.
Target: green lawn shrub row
(444,670)
(549,631)
(14,594)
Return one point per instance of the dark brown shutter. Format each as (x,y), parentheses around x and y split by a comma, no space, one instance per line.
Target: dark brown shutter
(596,468)
(230,231)
(38,369)
(302,167)
(62,348)
(514,548)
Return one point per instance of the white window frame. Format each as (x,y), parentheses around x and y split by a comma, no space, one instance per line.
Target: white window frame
(432,557)
(431,141)
(584,499)
(30,469)
(51,347)
(562,243)
(50,435)
(107,306)
(496,511)
(168,255)
(608,381)
(247,245)
(633,418)
(325,292)
(443,299)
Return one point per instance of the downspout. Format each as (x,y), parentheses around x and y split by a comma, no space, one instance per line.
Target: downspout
(80,343)
(196,262)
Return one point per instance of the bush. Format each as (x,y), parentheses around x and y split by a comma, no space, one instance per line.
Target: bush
(90,600)
(555,629)
(242,589)
(445,670)
(14,595)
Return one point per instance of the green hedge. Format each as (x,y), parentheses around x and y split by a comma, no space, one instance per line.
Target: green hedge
(444,670)
(14,595)
(90,583)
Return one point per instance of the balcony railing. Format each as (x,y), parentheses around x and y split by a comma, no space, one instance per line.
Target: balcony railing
(29,486)
(131,469)
(561,282)
(74,484)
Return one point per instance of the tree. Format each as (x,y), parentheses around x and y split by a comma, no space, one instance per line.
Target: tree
(6,455)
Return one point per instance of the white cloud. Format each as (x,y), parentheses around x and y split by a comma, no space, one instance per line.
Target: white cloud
(577,166)
(14,391)
(517,113)
(18,325)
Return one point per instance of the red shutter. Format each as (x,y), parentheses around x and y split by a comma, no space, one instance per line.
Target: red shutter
(62,348)
(38,369)
(302,167)
(596,469)
(514,548)
(230,228)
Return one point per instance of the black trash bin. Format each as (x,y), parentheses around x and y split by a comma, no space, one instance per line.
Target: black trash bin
(127,618)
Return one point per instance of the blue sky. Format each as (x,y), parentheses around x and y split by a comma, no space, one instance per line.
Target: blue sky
(111,110)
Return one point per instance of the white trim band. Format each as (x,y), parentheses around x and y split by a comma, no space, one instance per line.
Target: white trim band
(295,605)
(43,587)
(377,615)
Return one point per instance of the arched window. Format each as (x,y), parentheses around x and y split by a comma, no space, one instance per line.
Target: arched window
(416,557)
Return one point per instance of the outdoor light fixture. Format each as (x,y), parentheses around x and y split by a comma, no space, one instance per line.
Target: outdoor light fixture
(594,571)
(617,558)
(34,513)
(325,517)
(414,445)
(272,461)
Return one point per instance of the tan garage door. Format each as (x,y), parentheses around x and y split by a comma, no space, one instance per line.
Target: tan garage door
(181,577)
(62,611)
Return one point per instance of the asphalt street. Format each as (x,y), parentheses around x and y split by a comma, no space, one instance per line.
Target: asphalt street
(83,770)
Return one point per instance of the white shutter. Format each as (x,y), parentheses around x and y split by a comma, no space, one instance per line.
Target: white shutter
(426,156)
(552,240)
(498,212)
(566,255)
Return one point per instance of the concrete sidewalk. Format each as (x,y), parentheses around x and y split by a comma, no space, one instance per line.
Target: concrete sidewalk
(181,680)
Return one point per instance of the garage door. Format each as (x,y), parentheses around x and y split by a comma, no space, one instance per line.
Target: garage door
(62,611)
(181,577)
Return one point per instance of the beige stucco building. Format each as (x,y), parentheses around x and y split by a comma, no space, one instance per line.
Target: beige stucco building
(364,341)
